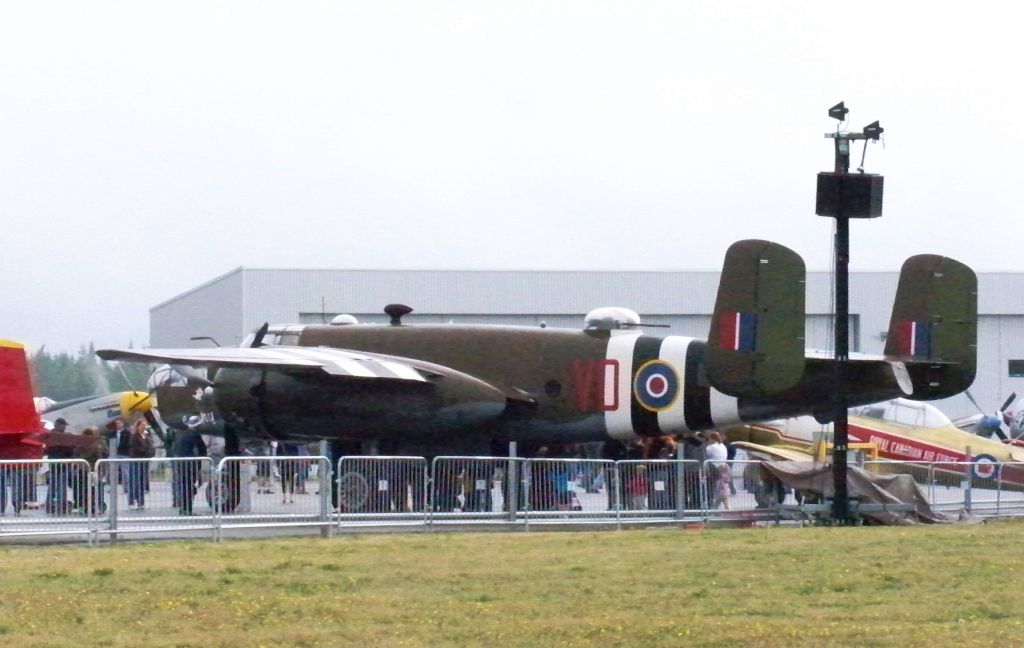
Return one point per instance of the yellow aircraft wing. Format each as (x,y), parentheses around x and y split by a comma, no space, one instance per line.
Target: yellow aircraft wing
(758,451)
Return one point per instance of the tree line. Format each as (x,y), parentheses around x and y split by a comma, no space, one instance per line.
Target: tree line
(63,376)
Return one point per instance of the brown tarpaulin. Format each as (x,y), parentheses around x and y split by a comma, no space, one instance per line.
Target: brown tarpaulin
(815,480)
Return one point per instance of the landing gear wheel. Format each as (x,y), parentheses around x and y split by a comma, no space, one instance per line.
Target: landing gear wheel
(354,491)
(221,496)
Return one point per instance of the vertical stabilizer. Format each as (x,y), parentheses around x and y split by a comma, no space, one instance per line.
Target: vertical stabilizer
(934,325)
(756,342)
(19,422)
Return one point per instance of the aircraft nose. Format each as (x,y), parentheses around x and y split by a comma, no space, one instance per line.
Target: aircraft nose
(137,401)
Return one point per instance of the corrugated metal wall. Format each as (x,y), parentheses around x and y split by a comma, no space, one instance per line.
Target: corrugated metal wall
(213,309)
(232,305)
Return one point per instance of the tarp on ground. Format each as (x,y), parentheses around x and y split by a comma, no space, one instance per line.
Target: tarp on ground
(815,480)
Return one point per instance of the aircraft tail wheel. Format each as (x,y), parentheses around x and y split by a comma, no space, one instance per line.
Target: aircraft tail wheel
(354,491)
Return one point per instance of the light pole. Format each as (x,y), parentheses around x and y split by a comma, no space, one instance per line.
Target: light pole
(843,195)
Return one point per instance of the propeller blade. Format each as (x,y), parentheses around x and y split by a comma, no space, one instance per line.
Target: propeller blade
(260,334)
(967,393)
(1009,400)
(151,419)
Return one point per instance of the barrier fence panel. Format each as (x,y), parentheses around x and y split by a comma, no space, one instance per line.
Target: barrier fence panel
(972,487)
(744,490)
(561,490)
(152,495)
(476,489)
(382,489)
(659,489)
(45,497)
(276,491)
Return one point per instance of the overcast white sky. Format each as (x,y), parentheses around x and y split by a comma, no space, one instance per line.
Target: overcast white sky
(148,147)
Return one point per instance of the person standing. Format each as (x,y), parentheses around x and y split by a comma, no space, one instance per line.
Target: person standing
(58,475)
(120,440)
(693,456)
(140,446)
(92,448)
(189,449)
(288,465)
(719,476)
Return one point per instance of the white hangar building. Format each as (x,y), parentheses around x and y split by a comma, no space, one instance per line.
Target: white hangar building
(230,306)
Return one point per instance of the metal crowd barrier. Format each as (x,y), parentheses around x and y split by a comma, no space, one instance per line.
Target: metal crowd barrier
(982,487)
(135,496)
(570,491)
(192,496)
(651,490)
(46,498)
(473,490)
(291,497)
(373,489)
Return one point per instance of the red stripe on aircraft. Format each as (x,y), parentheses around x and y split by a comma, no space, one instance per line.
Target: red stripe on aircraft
(728,329)
(590,386)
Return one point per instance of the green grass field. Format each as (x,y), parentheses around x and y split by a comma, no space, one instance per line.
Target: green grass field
(867,586)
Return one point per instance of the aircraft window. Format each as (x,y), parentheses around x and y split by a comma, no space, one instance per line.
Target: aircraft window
(288,339)
(906,415)
(553,388)
(875,412)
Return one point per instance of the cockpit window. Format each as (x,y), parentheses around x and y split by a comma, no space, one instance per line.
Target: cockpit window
(904,412)
(274,338)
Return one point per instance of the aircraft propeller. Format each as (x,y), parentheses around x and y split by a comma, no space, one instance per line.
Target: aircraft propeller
(998,423)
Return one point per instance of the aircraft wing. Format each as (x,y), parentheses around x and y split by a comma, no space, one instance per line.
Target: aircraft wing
(771,453)
(335,362)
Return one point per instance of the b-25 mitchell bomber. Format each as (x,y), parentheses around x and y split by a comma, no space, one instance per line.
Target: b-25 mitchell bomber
(447,389)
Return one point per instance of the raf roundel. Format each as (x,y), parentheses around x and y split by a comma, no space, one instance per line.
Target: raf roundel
(985,466)
(656,385)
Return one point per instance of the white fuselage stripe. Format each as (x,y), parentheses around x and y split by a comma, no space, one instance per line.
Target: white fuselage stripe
(619,421)
(673,351)
(725,410)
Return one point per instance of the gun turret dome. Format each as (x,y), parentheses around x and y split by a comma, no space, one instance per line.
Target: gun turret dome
(344,320)
(610,318)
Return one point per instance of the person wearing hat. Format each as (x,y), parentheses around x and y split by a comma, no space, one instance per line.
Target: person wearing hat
(58,474)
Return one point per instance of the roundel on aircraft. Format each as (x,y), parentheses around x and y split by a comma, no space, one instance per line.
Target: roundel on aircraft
(656,385)
(985,466)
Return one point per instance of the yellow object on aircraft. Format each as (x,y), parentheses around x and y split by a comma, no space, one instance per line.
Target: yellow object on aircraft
(822,449)
(136,401)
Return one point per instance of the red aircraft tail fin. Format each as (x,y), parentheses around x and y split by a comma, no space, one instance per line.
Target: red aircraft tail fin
(19,422)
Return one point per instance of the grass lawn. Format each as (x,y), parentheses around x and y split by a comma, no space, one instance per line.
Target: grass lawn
(867,586)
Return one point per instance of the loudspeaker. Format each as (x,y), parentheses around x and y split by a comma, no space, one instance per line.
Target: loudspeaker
(851,195)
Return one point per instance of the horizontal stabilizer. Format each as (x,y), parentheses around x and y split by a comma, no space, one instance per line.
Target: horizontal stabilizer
(756,342)
(934,325)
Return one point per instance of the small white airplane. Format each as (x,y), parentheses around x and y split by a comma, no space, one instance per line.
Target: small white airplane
(98,411)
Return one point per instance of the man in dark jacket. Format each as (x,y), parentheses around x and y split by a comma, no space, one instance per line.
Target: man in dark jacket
(189,449)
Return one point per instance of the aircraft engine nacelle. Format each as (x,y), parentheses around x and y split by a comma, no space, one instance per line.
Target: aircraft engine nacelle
(314,405)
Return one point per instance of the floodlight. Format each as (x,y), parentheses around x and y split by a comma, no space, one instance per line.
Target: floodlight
(838,111)
(873,130)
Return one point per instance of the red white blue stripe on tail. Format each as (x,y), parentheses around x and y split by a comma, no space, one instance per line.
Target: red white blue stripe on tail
(914,338)
(738,331)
